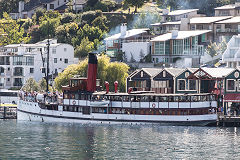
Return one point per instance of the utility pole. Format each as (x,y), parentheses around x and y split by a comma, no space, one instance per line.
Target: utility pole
(48,48)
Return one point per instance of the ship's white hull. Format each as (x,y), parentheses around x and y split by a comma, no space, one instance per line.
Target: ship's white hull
(30,111)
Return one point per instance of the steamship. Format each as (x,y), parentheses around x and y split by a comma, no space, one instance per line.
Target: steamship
(83,103)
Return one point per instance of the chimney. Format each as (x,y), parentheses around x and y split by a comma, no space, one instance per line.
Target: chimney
(20,6)
(123,29)
(174,34)
(92,72)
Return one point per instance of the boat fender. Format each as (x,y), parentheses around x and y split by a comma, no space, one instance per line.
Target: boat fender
(153,105)
(74,102)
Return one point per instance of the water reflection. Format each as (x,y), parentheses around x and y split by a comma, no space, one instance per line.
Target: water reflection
(22,140)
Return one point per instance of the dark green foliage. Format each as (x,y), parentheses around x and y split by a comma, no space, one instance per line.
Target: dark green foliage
(9,6)
(67,18)
(38,14)
(88,17)
(92,3)
(148,58)
(135,3)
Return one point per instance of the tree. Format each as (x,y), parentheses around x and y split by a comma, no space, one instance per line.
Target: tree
(107,71)
(141,56)
(31,85)
(132,60)
(85,47)
(68,18)
(148,58)
(42,85)
(37,15)
(8,6)
(135,3)
(15,33)
(145,19)
(215,49)
(92,3)
(117,71)
(100,23)
(49,27)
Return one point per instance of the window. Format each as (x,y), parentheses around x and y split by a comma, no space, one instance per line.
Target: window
(54,51)
(31,70)
(60,59)
(55,60)
(8,79)
(43,70)
(177,47)
(56,71)
(230,85)
(203,37)
(8,69)
(192,27)
(164,73)
(109,43)
(159,48)
(181,85)
(192,84)
(65,49)
(51,6)
(238,85)
(65,60)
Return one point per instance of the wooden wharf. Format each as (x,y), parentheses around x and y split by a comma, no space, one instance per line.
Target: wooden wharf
(8,111)
(228,120)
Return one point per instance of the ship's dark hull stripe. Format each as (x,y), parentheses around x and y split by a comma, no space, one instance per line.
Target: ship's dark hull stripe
(121,120)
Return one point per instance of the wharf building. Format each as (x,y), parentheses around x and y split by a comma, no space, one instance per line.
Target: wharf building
(20,62)
(224,82)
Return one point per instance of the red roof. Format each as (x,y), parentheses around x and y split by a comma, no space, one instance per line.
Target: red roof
(232,97)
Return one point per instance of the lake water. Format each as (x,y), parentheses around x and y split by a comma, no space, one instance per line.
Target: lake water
(22,140)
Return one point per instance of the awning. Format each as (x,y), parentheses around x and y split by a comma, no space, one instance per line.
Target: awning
(232,97)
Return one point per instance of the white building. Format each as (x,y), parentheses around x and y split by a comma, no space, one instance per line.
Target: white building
(232,54)
(78,5)
(179,48)
(20,62)
(175,20)
(26,10)
(133,43)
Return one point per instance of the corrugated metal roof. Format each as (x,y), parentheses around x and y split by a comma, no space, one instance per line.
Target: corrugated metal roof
(229,6)
(181,35)
(218,72)
(129,33)
(174,71)
(152,71)
(205,20)
(179,12)
(232,20)
(172,23)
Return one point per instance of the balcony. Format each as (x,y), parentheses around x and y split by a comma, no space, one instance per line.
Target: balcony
(17,73)
(17,84)
(228,30)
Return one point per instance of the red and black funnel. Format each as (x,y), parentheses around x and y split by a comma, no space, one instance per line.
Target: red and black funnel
(92,72)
